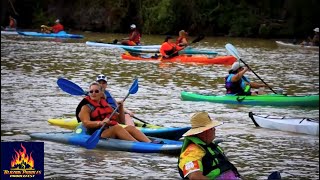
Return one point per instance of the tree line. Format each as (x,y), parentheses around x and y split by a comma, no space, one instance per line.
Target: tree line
(237,18)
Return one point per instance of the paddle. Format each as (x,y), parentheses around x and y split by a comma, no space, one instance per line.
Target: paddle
(197,39)
(232,50)
(73,89)
(95,137)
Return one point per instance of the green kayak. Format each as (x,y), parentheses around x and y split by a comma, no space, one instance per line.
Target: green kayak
(263,100)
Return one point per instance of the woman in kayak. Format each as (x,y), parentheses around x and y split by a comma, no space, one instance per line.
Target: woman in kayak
(54,29)
(134,37)
(102,80)
(12,24)
(238,84)
(182,39)
(200,157)
(169,49)
(94,111)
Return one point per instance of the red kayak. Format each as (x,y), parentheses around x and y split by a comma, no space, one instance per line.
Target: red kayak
(183,58)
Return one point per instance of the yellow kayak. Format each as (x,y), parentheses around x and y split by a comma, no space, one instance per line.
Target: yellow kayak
(174,133)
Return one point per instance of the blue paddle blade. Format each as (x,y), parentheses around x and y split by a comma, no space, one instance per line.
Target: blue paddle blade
(70,87)
(232,50)
(92,142)
(134,87)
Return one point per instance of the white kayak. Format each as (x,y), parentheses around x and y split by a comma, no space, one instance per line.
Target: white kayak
(9,33)
(290,124)
(299,46)
(110,45)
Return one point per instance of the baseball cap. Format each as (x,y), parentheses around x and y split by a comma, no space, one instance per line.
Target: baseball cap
(132,26)
(102,77)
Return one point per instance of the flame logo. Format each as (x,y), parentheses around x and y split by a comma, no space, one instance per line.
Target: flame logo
(22,160)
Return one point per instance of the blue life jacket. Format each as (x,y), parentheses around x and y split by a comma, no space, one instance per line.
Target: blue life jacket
(235,87)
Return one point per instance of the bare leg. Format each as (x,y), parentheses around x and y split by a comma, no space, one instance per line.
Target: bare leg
(118,132)
(128,120)
(137,134)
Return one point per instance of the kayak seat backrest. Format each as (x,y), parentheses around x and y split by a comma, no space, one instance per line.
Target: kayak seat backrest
(80,129)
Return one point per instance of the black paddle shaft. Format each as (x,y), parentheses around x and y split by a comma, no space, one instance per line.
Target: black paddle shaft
(257,76)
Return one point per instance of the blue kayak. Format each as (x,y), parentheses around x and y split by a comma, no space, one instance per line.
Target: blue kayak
(61,34)
(187,50)
(79,137)
(174,133)
(110,45)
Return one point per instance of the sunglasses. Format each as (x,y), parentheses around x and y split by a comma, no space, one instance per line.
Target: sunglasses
(101,76)
(96,91)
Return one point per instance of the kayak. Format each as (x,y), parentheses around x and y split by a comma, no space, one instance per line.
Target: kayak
(79,137)
(188,50)
(61,34)
(290,124)
(262,100)
(290,45)
(174,133)
(110,45)
(202,59)
(9,33)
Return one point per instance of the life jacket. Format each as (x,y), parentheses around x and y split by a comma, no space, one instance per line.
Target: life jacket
(136,38)
(167,49)
(235,87)
(57,28)
(99,111)
(214,162)
(179,40)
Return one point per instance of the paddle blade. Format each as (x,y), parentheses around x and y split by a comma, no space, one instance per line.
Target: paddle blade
(92,142)
(134,87)
(232,50)
(199,38)
(70,87)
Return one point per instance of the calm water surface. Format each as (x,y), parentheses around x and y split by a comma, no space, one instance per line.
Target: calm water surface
(29,96)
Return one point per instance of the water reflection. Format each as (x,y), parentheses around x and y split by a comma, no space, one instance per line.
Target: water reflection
(30,96)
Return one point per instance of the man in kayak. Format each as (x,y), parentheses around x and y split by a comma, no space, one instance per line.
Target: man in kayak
(238,84)
(93,111)
(182,39)
(134,37)
(54,29)
(102,80)
(314,41)
(169,49)
(200,157)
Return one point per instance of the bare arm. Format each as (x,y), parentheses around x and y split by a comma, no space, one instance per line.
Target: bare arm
(257,85)
(239,75)
(121,113)
(84,116)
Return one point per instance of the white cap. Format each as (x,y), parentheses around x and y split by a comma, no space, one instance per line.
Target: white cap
(58,20)
(236,65)
(102,77)
(316,29)
(132,26)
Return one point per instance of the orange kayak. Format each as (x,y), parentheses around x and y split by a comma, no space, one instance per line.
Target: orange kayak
(183,58)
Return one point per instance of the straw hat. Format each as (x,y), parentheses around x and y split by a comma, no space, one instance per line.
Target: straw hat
(201,122)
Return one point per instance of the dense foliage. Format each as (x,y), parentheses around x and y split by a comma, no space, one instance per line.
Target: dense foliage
(242,18)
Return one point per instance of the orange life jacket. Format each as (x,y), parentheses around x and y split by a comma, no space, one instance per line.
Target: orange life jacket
(99,111)
(136,38)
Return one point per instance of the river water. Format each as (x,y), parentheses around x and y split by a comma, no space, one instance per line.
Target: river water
(29,96)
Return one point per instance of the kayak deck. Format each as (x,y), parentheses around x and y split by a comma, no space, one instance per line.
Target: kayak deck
(174,133)
(183,58)
(290,124)
(79,137)
(263,100)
